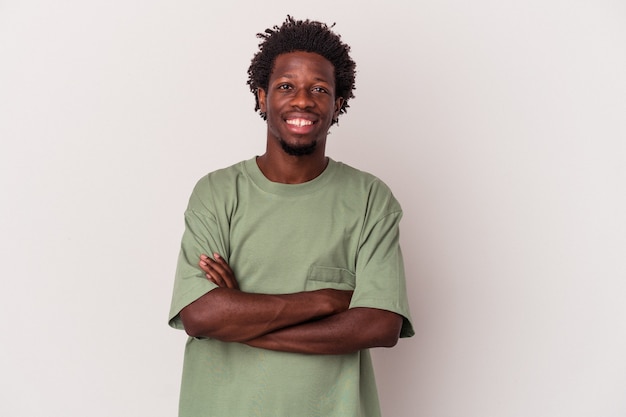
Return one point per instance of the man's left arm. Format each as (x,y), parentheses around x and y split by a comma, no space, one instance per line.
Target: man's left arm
(347,332)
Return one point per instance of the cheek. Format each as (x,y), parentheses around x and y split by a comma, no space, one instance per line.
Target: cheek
(272,104)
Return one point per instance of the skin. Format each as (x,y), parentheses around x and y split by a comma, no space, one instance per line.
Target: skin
(300,104)
(302,86)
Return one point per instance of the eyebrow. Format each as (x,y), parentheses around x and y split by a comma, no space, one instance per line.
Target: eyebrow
(291,76)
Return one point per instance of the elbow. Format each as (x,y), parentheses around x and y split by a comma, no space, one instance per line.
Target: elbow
(381,339)
(388,338)
(390,341)
(200,323)
(391,334)
(197,323)
(191,323)
(193,331)
(383,327)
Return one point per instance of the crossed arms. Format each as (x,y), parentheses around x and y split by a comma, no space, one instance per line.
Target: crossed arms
(315,322)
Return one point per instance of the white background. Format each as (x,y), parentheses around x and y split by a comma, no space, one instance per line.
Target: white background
(500,126)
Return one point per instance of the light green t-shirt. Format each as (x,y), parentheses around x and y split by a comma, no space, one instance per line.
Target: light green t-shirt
(339,230)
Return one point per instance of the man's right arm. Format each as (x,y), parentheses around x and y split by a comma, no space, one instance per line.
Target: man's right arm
(228,314)
(231,315)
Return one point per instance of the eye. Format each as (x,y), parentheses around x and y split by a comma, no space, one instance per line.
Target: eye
(320,90)
(283,87)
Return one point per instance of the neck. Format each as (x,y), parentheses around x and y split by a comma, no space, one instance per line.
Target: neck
(289,169)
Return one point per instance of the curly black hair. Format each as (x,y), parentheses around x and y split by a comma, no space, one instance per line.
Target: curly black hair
(307,36)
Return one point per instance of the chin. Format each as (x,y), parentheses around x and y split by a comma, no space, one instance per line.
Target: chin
(299,150)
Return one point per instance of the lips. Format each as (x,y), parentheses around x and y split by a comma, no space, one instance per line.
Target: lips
(298,122)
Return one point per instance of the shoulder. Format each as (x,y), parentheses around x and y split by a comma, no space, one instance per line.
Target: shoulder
(375,190)
(356,176)
(222,176)
(216,185)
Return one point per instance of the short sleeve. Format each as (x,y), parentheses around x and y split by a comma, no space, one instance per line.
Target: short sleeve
(380,277)
(201,236)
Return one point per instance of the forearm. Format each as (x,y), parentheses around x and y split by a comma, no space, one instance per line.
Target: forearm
(346,332)
(234,316)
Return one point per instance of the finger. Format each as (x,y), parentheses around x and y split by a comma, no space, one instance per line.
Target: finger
(203,264)
(210,278)
(226,273)
(212,275)
(217,280)
(219,273)
(207,264)
(221,261)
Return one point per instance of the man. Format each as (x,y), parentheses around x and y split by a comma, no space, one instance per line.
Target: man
(290,267)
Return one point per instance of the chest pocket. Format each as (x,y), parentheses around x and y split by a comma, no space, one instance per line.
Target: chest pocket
(328,277)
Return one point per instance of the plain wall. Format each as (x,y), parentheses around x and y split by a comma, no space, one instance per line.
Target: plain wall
(499,125)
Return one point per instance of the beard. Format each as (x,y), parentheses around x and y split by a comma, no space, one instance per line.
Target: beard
(298,150)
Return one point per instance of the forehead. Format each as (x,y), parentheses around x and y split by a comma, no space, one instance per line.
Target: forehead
(299,64)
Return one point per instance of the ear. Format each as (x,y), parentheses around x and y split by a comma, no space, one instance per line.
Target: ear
(338,104)
(262,97)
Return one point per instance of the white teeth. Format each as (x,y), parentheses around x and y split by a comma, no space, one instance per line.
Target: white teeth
(299,122)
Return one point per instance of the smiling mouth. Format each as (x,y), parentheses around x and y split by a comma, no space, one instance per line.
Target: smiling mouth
(299,122)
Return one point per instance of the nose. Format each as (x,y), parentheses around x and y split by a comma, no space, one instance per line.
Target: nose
(302,99)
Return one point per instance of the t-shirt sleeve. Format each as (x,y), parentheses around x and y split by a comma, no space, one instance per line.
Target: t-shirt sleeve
(201,236)
(380,278)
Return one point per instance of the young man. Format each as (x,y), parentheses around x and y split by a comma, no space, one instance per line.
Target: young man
(290,267)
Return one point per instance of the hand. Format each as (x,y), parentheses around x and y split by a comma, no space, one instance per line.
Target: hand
(218,271)
(340,299)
